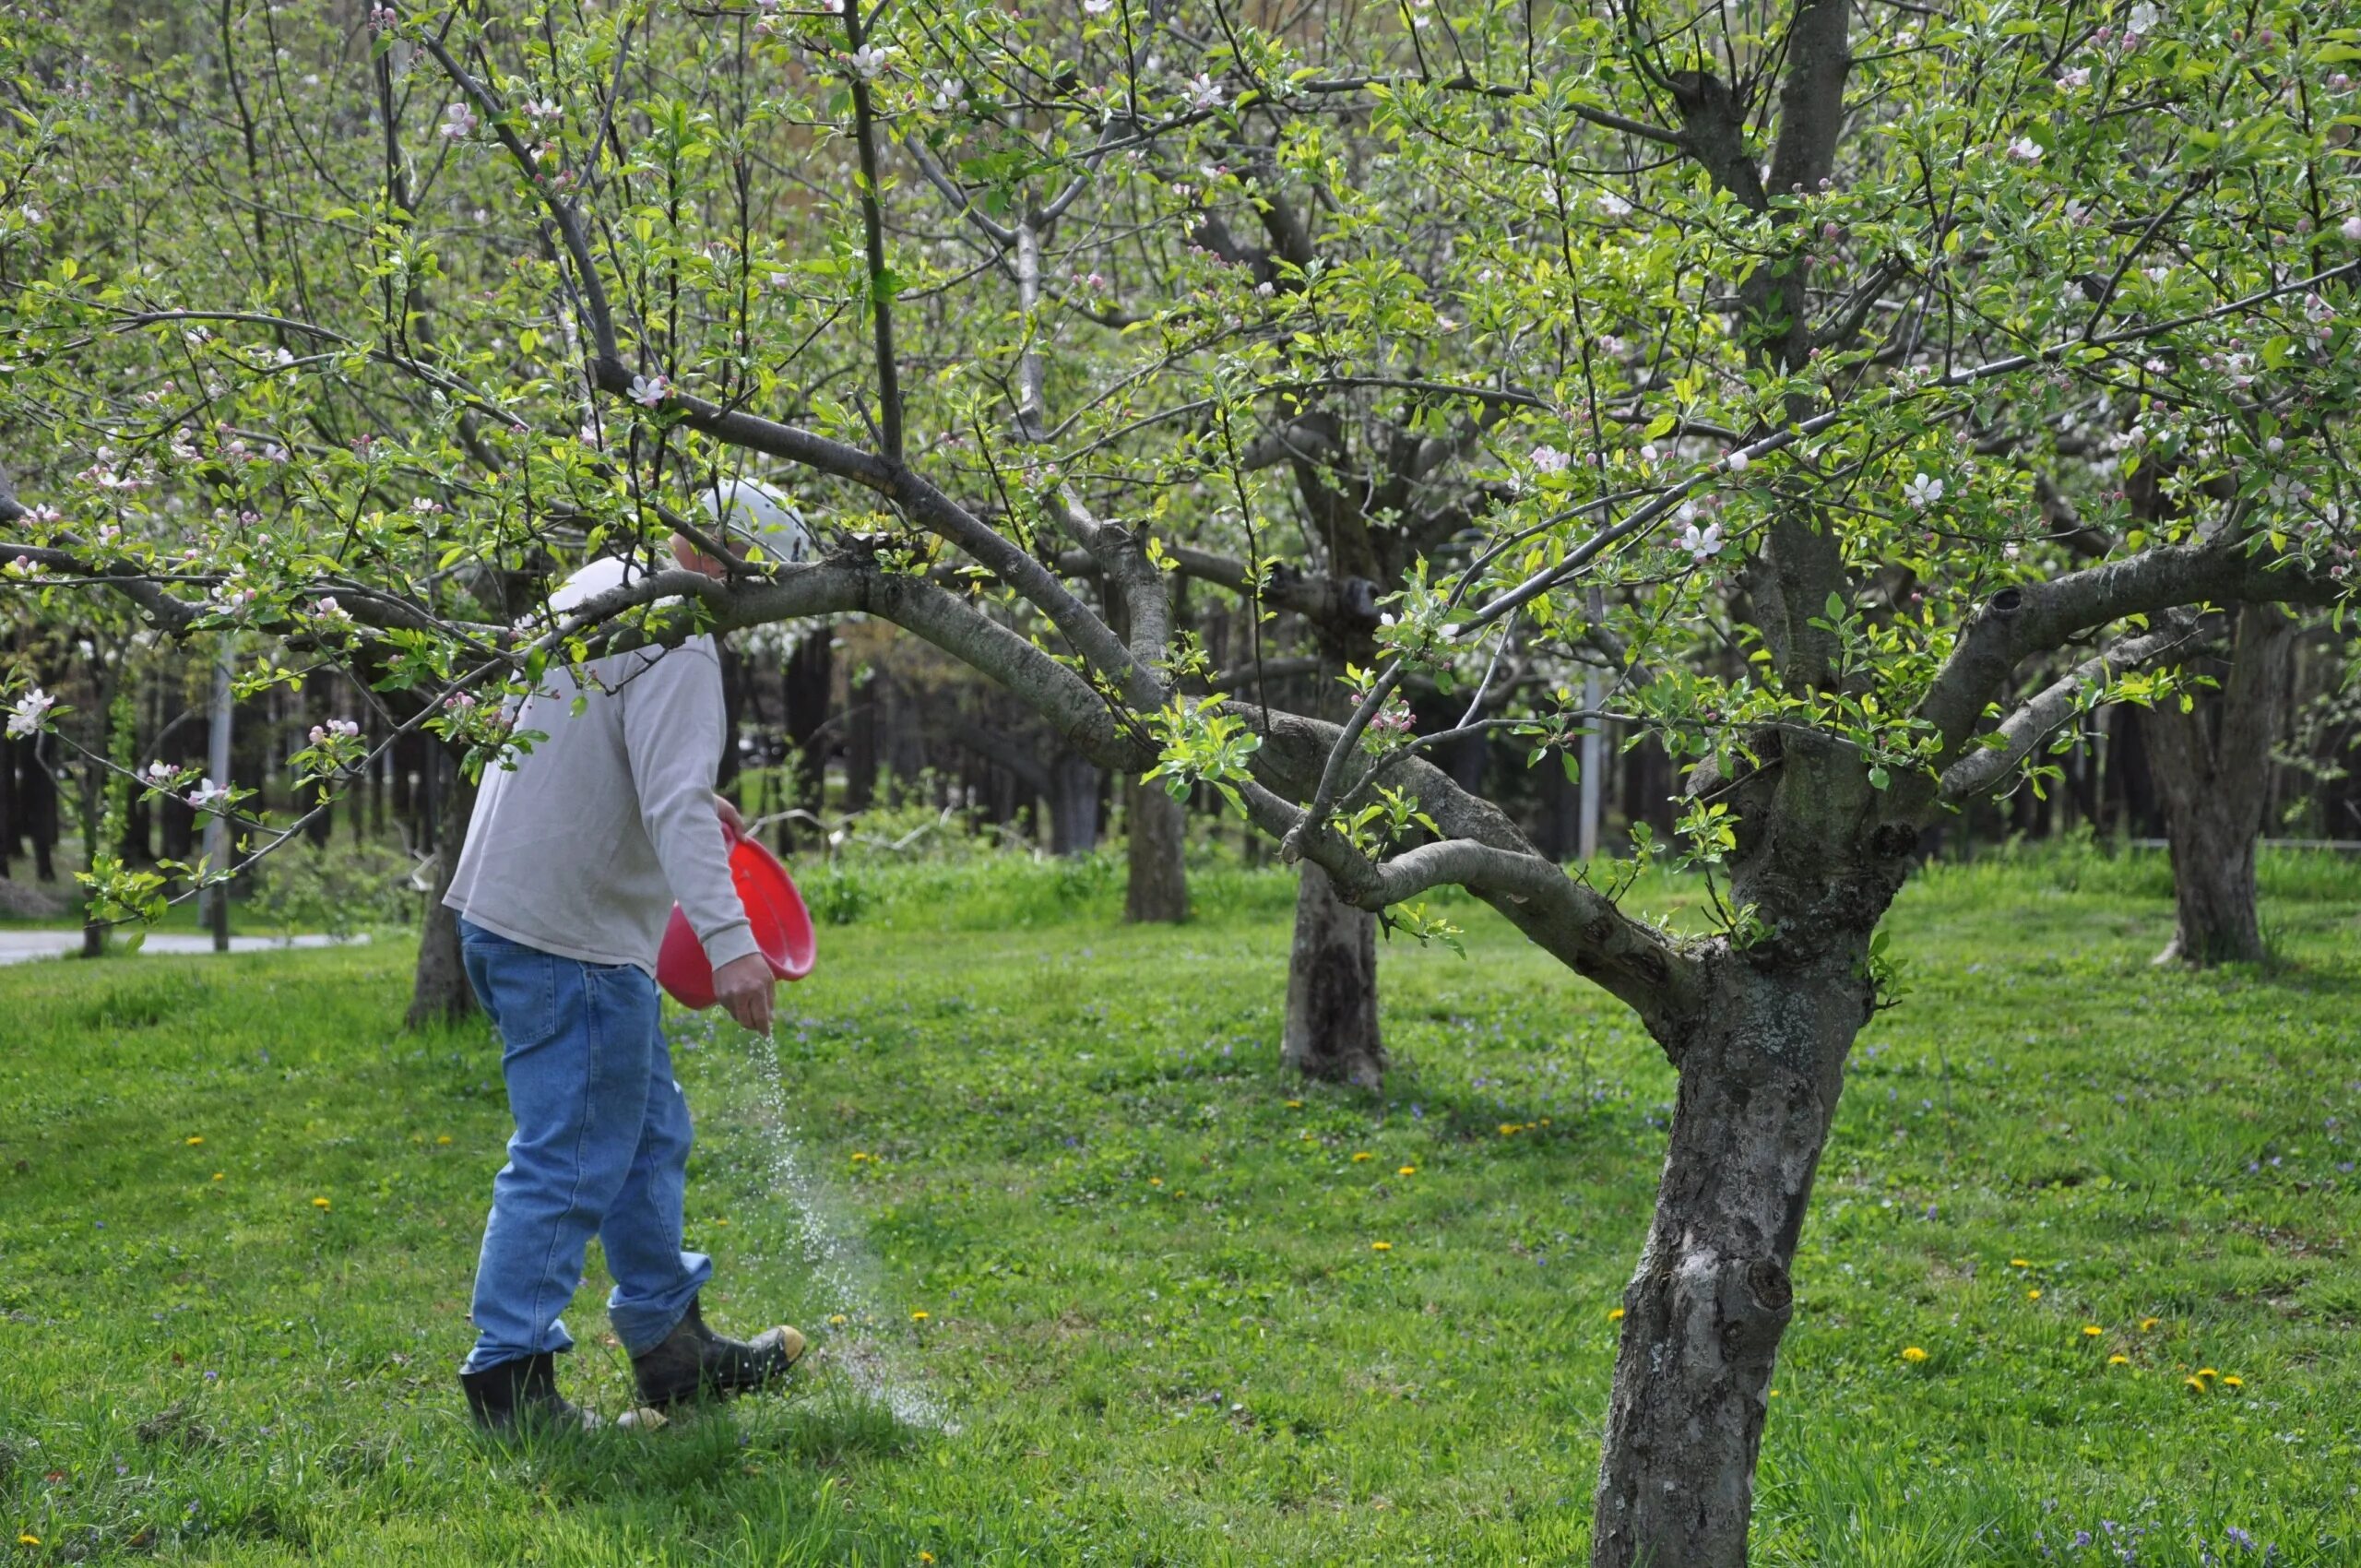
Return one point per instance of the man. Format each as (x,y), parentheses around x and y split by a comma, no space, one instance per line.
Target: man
(572,863)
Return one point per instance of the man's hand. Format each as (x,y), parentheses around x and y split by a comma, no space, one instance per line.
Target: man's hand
(728,816)
(745,986)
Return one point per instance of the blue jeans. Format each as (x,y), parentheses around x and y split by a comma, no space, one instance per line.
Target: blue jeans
(601,1148)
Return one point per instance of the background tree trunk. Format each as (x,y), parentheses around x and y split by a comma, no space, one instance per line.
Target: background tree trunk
(1704,1312)
(1330,1030)
(1157,835)
(1074,804)
(439,991)
(2211,767)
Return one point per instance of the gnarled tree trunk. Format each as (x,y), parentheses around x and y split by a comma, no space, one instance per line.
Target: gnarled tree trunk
(1760,1074)
(1330,1030)
(439,990)
(1157,838)
(2212,764)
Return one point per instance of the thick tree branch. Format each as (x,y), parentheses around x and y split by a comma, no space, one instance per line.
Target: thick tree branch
(1998,754)
(2018,623)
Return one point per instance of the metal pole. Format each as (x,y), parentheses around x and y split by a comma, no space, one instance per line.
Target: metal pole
(217,827)
(1593,755)
(1594,763)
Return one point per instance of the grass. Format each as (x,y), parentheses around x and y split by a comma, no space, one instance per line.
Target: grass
(1156,1314)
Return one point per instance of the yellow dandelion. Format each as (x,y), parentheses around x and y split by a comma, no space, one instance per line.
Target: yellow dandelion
(1775,1393)
(319,1202)
(1545,1121)
(1295,1105)
(443,1140)
(1156,1181)
(217,1175)
(2194,1384)
(858,1156)
(1381,1246)
(2234,1381)
(2092,1331)
(2020,1263)
(193,1142)
(920,1316)
(2207,1371)
(23,1539)
(1361,1155)
(1615,1315)
(1408,1171)
(2033,1295)
(1912,1354)
(2148,1322)
(2119,1360)
(836,1318)
(1509,1129)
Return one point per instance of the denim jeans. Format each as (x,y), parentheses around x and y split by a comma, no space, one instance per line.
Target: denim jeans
(601,1148)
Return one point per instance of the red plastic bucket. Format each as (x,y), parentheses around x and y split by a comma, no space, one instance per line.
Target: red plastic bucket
(782,927)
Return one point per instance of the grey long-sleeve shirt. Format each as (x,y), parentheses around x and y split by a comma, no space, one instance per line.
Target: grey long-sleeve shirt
(582,848)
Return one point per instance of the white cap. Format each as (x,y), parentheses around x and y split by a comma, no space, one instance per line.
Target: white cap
(752,512)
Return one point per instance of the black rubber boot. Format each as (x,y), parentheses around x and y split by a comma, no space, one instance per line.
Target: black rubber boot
(522,1392)
(693,1361)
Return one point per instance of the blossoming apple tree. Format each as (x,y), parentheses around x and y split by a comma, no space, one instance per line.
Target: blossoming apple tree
(1752,343)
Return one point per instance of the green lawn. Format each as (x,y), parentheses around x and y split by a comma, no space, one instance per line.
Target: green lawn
(1158,1327)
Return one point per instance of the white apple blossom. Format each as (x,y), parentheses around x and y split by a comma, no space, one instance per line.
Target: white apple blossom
(459,121)
(1739,461)
(1549,460)
(869,61)
(1204,91)
(208,796)
(1923,492)
(2351,229)
(650,390)
(1613,206)
(28,713)
(2143,19)
(1702,542)
(2025,150)
(2075,80)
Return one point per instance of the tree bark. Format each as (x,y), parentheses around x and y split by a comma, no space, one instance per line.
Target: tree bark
(2211,767)
(1331,1031)
(439,990)
(1157,838)
(1074,804)
(808,685)
(1703,1314)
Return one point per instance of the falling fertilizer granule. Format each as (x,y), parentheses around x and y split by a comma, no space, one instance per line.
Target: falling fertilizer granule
(845,1272)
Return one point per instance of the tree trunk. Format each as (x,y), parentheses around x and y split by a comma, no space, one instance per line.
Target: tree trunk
(1074,804)
(1158,831)
(1330,1030)
(439,991)
(1703,1313)
(2211,767)
(807,685)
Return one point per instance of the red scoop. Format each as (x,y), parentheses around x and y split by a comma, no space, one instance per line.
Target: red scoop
(782,927)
